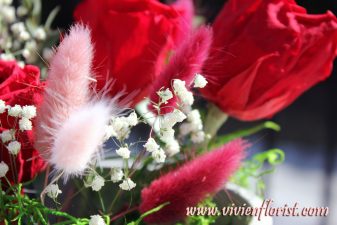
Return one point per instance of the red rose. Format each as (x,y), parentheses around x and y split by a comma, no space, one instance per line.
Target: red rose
(132,39)
(22,87)
(265,54)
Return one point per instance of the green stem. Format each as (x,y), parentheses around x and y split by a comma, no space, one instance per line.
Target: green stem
(214,120)
(101,200)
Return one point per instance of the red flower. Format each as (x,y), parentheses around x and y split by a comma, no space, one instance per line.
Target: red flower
(22,87)
(191,183)
(265,54)
(132,39)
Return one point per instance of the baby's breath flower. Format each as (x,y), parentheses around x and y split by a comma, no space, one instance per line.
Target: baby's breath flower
(151,145)
(127,184)
(185,129)
(172,147)
(116,174)
(179,86)
(195,119)
(21,11)
(3,169)
(15,111)
(199,81)
(40,34)
(109,132)
(97,183)
(7,135)
(165,95)
(167,134)
(123,152)
(7,56)
(121,127)
(24,35)
(53,191)
(159,155)
(198,137)
(8,13)
(28,111)
(96,220)
(25,124)
(14,147)
(132,119)
(185,96)
(17,28)
(2,106)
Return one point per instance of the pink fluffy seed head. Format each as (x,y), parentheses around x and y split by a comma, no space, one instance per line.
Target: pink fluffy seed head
(67,87)
(80,138)
(191,183)
(184,64)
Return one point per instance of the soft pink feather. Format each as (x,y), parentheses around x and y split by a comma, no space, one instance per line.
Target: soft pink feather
(184,64)
(67,86)
(191,183)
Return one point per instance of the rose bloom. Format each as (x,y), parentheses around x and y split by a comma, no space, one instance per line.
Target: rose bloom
(22,87)
(132,40)
(265,54)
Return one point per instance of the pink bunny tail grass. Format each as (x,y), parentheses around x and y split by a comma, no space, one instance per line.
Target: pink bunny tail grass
(80,138)
(67,86)
(186,9)
(191,183)
(184,64)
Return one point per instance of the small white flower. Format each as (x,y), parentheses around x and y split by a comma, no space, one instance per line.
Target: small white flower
(151,145)
(21,11)
(194,118)
(109,132)
(25,124)
(116,174)
(97,183)
(200,81)
(40,34)
(53,191)
(187,98)
(14,147)
(24,36)
(127,184)
(121,127)
(2,106)
(96,220)
(198,137)
(7,135)
(159,155)
(172,147)
(178,116)
(28,111)
(29,55)
(179,86)
(7,56)
(21,64)
(15,111)
(17,28)
(132,119)
(165,95)
(8,13)
(123,152)
(3,169)
(167,134)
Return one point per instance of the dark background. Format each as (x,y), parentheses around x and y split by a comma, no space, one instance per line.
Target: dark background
(308,137)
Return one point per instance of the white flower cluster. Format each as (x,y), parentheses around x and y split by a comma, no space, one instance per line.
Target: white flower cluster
(193,126)
(25,114)
(157,153)
(16,35)
(117,175)
(120,127)
(3,169)
(96,220)
(53,191)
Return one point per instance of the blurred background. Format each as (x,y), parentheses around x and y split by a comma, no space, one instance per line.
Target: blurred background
(308,137)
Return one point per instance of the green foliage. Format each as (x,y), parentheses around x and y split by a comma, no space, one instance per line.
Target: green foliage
(199,219)
(137,222)
(223,139)
(253,169)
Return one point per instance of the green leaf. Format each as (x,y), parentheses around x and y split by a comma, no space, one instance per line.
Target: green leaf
(223,139)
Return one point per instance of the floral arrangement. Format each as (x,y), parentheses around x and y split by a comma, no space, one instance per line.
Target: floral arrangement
(111,115)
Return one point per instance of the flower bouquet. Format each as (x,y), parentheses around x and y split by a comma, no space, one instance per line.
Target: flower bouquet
(116,120)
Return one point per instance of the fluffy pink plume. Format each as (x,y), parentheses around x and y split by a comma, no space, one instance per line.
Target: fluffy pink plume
(67,86)
(184,64)
(191,183)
